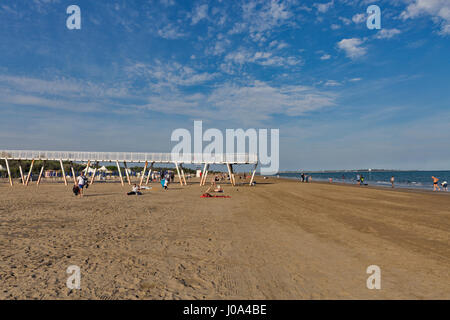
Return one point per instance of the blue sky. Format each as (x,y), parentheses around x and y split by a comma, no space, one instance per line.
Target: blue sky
(343,96)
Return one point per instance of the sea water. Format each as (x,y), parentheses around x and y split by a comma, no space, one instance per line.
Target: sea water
(403,179)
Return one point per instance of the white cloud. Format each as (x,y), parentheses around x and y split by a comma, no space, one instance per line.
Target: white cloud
(219,47)
(282,45)
(335,26)
(242,56)
(439,10)
(40,4)
(278,44)
(170,32)
(260,18)
(64,94)
(200,13)
(256,101)
(267,100)
(346,21)
(69,88)
(352,47)
(324,7)
(171,75)
(325,57)
(167,3)
(9,10)
(332,83)
(359,18)
(51,103)
(387,33)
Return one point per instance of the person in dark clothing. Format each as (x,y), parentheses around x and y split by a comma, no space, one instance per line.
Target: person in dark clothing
(135,191)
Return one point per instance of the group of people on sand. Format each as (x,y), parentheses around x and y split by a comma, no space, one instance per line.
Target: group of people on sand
(444,184)
(165,179)
(361,180)
(305,178)
(82,183)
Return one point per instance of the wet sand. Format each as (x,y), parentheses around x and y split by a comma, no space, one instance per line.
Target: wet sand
(278,240)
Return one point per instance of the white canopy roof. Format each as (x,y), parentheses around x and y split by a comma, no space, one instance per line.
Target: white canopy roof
(91,170)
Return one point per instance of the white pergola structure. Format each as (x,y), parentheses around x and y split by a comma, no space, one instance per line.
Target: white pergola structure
(229,160)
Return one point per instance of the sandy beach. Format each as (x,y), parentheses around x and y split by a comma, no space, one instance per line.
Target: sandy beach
(278,240)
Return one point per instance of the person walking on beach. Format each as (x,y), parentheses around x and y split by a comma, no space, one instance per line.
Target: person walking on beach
(435,183)
(392,181)
(303,176)
(358,178)
(81,180)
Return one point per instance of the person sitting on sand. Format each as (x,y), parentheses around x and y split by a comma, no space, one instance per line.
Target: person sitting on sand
(435,183)
(135,191)
(213,185)
(444,185)
(76,190)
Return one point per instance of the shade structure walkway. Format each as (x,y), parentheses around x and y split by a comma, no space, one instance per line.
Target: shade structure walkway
(227,159)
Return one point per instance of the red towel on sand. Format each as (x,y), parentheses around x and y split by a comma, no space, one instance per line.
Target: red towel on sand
(207,195)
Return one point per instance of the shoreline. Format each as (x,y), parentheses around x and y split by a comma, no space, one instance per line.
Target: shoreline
(374,185)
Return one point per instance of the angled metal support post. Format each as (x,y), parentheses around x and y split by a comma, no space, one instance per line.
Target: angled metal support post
(63,172)
(120,172)
(143,174)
